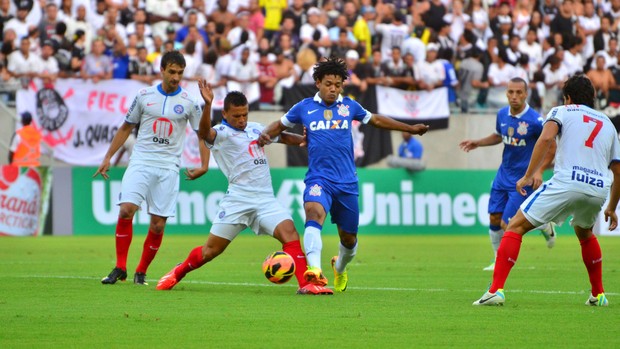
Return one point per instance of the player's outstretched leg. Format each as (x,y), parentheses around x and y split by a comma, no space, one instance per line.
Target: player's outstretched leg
(194,261)
(506,258)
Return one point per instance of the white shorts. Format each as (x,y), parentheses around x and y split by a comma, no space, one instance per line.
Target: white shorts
(553,202)
(237,212)
(158,186)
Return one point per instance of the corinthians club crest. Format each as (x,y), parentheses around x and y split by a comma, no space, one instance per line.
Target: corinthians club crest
(522,129)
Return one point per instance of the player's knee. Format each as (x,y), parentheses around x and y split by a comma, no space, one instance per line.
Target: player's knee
(348,240)
(495,219)
(157,227)
(126,212)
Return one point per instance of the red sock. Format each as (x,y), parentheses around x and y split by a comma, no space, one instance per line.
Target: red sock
(293,248)
(193,261)
(124,232)
(507,255)
(151,246)
(593,259)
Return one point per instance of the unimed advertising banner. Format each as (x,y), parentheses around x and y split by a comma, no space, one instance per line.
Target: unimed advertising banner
(391,201)
(78,118)
(24,197)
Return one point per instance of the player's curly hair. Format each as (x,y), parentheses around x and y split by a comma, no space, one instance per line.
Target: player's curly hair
(580,90)
(330,66)
(234,98)
(172,57)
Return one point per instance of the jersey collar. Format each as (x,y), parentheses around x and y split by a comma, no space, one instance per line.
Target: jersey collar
(161,90)
(518,116)
(229,125)
(319,100)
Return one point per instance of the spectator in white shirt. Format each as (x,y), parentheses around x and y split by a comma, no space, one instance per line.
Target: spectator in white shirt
(555,75)
(500,72)
(414,46)
(237,36)
(589,23)
(22,63)
(48,67)
(457,19)
(19,24)
(313,33)
(392,34)
(532,48)
(573,60)
(432,71)
(611,54)
(243,76)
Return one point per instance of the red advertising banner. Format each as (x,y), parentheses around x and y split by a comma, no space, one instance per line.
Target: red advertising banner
(24,197)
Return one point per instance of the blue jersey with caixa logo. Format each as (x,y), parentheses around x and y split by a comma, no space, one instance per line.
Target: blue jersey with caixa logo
(328,133)
(519,135)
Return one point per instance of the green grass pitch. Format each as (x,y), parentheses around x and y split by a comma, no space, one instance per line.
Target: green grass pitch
(404,292)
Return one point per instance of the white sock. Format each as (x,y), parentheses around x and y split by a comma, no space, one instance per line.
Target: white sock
(496,238)
(345,255)
(313,246)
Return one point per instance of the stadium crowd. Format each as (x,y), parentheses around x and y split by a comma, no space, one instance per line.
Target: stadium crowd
(473,47)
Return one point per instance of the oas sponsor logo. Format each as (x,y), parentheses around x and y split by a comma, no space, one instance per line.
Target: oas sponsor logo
(257,153)
(162,129)
(179,109)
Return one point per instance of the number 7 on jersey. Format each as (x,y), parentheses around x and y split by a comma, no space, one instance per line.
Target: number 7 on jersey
(595,131)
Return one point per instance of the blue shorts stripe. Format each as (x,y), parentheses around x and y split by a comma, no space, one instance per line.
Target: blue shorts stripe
(529,204)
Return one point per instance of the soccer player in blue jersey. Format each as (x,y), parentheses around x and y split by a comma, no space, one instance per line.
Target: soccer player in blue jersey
(331,180)
(517,126)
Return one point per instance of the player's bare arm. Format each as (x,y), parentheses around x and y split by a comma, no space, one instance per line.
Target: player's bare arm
(547,161)
(386,123)
(471,144)
(545,142)
(614,196)
(205,155)
(289,138)
(270,132)
(205,131)
(117,142)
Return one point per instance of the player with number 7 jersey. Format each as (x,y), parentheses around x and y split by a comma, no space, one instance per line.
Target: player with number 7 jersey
(587,142)
(587,149)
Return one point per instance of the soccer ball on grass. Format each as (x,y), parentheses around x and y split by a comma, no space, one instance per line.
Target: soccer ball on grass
(279,267)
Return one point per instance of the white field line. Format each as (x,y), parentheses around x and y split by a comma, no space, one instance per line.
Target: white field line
(393,289)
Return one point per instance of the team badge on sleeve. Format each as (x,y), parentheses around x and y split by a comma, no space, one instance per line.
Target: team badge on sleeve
(178,109)
(522,129)
(343,110)
(315,190)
